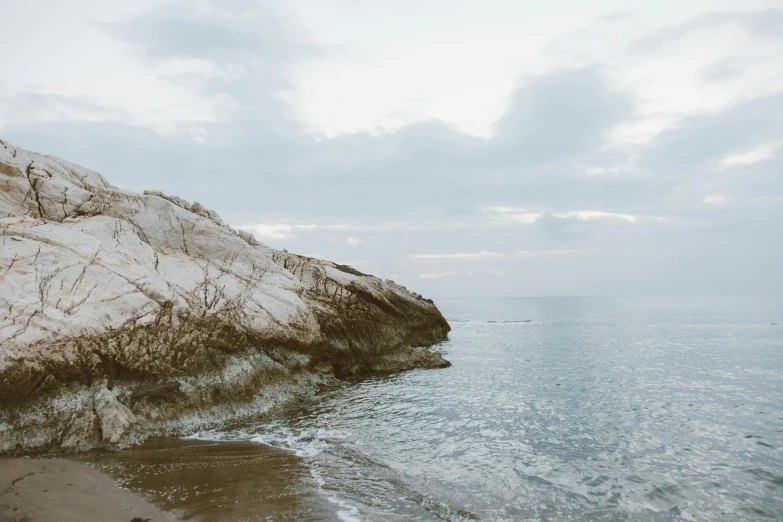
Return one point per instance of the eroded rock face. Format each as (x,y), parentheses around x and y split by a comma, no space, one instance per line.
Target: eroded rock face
(124,315)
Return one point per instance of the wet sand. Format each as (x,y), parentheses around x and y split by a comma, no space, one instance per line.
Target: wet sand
(163,481)
(218,481)
(55,490)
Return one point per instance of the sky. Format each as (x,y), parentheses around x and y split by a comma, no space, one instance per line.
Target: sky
(461,148)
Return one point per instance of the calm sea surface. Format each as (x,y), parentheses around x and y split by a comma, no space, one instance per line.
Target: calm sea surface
(559,409)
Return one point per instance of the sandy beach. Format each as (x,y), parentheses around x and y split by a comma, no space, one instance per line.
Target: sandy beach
(217,481)
(43,490)
(162,481)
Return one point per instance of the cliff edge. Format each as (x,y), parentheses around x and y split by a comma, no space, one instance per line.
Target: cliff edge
(127,315)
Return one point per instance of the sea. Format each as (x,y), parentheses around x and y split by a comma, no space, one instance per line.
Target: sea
(578,409)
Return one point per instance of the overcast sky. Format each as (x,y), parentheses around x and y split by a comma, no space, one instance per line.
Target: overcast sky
(462,148)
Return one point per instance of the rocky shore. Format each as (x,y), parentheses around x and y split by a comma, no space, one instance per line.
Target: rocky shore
(125,315)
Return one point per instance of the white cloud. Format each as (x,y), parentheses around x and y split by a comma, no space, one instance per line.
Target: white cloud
(83,72)
(296,226)
(361,88)
(285,230)
(653,136)
(437,275)
(527,216)
(509,218)
(264,230)
(617,170)
(752,155)
(497,273)
(715,199)
(514,215)
(526,254)
(468,255)
(553,253)
(588,215)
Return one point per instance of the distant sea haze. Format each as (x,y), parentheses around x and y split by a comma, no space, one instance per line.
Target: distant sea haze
(559,409)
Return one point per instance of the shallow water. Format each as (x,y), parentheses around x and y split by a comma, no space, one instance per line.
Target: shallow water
(558,409)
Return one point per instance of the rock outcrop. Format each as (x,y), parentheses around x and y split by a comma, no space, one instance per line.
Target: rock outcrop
(126,315)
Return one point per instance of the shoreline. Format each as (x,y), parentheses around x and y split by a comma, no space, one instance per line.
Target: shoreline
(163,480)
(217,481)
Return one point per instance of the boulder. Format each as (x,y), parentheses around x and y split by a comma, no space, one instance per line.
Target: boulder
(105,293)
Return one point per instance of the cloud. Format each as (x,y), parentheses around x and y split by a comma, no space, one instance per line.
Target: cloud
(727,69)
(550,186)
(277,231)
(469,255)
(703,140)
(766,23)
(562,228)
(522,254)
(734,151)
(47,107)
(366,226)
(752,155)
(263,158)
(531,254)
(439,275)
(588,215)
(211,30)
(497,273)
(560,115)
(514,215)
(235,55)
(715,199)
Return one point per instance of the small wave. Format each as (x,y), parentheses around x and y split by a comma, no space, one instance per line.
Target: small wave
(323,449)
(428,495)
(307,443)
(312,444)
(304,443)
(347,512)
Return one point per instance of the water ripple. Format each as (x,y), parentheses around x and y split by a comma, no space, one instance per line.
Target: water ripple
(570,409)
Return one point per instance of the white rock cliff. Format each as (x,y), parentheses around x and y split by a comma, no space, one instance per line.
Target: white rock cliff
(126,315)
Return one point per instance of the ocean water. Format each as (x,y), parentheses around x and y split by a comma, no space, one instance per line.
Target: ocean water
(558,409)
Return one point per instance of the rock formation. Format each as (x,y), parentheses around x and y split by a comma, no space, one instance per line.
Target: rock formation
(126,315)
